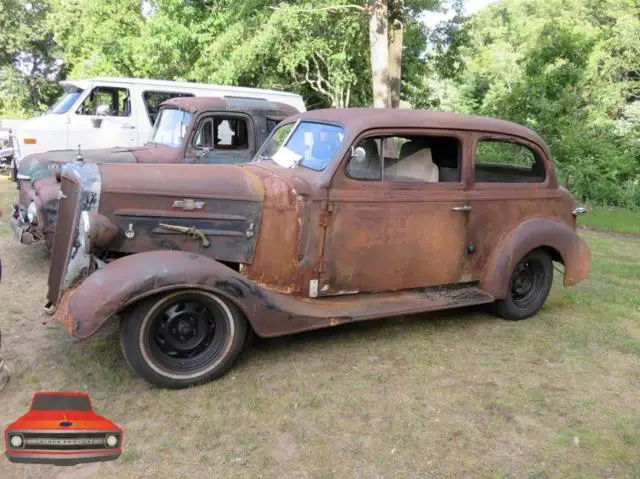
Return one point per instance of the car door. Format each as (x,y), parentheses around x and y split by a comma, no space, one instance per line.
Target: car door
(397,214)
(512,180)
(114,126)
(221,137)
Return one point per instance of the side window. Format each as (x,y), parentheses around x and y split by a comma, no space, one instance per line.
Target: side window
(153,100)
(222,133)
(406,159)
(230,133)
(499,161)
(117,102)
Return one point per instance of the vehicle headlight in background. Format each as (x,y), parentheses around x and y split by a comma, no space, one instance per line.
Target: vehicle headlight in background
(112,440)
(29,141)
(16,440)
(95,231)
(32,213)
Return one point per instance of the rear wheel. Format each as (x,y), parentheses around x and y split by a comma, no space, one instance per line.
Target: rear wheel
(529,287)
(182,338)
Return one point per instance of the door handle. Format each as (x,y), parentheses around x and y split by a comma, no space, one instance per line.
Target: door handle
(128,126)
(462,208)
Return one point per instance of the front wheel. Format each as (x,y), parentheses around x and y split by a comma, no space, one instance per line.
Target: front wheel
(182,338)
(529,286)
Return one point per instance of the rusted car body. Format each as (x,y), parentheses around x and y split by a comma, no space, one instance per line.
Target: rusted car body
(246,121)
(345,215)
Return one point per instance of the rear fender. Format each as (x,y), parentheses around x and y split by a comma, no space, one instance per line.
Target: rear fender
(125,281)
(529,235)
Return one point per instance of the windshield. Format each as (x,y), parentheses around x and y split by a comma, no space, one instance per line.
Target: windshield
(312,145)
(58,402)
(65,102)
(171,126)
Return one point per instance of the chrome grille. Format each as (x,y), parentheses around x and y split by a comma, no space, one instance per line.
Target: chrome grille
(68,211)
(67,441)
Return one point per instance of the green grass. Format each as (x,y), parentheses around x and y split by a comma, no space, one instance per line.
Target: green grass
(616,220)
(455,394)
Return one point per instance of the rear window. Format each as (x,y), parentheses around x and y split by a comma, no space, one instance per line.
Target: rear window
(59,402)
(501,161)
(153,100)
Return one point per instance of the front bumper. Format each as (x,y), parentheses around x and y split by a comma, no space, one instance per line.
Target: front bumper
(24,232)
(61,458)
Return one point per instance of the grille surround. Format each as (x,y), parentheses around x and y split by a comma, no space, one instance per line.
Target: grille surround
(65,235)
(67,441)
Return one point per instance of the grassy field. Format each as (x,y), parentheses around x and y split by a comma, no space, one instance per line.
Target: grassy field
(458,395)
(612,219)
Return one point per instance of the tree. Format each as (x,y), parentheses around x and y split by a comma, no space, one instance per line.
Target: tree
(28,63)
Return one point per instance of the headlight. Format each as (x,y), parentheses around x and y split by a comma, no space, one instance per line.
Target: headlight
(16,441)
(84,230)
(112,441)
(32,213)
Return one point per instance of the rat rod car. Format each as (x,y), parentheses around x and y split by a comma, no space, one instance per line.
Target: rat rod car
(187,130)
(345,215)
(61,428)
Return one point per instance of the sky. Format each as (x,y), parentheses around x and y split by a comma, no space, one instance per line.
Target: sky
(470,7)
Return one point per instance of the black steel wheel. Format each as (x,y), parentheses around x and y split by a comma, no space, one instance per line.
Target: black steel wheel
(529,286)
(182,338)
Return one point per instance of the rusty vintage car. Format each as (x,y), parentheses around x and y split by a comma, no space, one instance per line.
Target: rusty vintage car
(345,215)
(187,130)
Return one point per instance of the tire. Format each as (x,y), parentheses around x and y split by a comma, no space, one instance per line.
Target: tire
(182,338)
(529,286)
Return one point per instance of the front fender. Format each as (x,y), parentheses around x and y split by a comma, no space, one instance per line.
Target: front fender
(109,290)
(529,235)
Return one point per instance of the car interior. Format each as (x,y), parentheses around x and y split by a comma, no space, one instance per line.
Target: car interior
(422,159)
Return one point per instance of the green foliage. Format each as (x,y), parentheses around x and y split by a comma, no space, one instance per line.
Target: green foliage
(570,70)
(28,64)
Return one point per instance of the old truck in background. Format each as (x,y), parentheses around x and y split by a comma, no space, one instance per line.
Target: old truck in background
(106,112)
(345,215)
(187,130)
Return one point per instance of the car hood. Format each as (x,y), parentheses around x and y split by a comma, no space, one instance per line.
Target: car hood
(41,165)
(50,420)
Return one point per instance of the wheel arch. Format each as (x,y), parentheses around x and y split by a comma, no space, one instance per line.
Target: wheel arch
(555,237)
(125,282)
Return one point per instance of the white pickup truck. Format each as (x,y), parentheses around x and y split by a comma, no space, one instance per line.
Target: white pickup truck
(106,112)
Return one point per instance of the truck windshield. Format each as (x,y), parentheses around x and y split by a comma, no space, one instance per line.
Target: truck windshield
(65,102)
(171,126)
(58,402)
(309,144)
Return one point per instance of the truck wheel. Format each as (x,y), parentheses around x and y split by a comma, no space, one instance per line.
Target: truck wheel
(529,287)
(182,338)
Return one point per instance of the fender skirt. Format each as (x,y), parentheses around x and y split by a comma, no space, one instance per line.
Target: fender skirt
(529,235)
(120,283)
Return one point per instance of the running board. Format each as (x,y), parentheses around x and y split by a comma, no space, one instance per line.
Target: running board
(334,310)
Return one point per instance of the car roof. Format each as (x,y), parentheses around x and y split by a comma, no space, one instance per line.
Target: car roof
(367,118)
(85,82)
(230,103)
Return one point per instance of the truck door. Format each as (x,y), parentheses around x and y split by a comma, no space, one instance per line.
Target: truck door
(103,119)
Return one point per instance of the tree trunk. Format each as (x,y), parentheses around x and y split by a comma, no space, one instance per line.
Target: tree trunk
(379,44)
(396,36)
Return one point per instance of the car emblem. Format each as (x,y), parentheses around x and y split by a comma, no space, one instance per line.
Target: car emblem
(188,204)
(66,423)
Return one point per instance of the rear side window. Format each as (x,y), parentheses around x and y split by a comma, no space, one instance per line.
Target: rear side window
(500,161)
(118,101)
(222,133)
(153,100)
